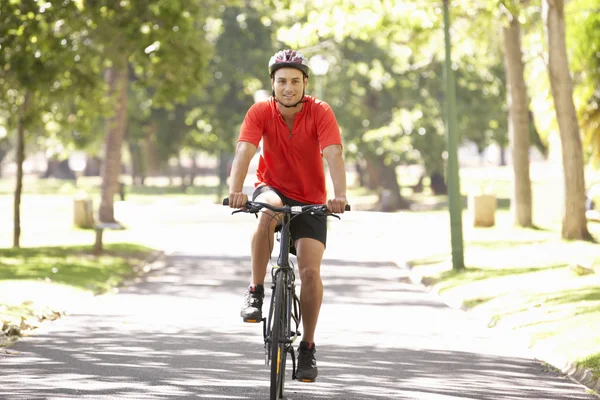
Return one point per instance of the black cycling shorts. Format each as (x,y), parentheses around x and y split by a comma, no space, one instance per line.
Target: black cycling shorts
(303,225)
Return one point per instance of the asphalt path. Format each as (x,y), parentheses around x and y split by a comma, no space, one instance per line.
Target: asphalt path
(177,334)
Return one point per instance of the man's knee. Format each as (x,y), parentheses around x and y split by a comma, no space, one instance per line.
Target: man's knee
(310,253)
(268,220)
(308,275)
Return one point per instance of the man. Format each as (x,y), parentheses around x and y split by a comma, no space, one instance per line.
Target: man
(297,132)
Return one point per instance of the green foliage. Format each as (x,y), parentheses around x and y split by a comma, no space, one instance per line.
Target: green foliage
(59,51)
(40,53)
(243,46)
(387,86)
(583,40)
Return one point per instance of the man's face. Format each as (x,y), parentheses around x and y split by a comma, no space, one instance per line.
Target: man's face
(288,85)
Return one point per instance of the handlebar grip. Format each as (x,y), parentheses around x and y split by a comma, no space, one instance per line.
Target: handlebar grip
(347,208)
(226,201)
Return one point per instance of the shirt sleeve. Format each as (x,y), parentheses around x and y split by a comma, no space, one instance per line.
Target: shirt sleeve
(253,125)
(328,130)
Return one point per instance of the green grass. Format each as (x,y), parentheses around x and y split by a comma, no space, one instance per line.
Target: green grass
(593,363)
(521,280)
(43,274)
(73,265)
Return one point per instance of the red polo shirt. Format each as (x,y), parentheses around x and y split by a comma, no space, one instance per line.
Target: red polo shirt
(291,162)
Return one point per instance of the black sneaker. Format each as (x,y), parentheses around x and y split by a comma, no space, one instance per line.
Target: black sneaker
(307,364)
(252,309)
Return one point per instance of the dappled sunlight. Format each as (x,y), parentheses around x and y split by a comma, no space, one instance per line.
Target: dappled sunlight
(378,337)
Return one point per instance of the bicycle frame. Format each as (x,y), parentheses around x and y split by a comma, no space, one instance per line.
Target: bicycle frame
(289,297)
(283,287)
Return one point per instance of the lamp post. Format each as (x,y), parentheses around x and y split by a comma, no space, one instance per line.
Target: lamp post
(454,198)
(319,67)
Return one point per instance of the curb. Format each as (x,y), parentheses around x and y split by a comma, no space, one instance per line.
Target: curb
(578,374)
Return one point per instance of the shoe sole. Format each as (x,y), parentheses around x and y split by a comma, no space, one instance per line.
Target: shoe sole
(253,319)
(308,379)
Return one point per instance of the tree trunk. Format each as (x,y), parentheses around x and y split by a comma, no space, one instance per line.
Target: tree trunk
(390,198)
(574,220)
(223,172)
(194,169)
(20,159)
(3,154)
(360,174)
(182,173)
(93,165)
(502,156)
(117,78)
(151,164)
(59,169)
(133,156)
(437,183)
(373,175)
(518,124)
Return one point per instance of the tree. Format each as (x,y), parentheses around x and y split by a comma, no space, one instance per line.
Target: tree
(239,69)
(390,58)
(163,44)
(574,224)
(518,117)
(583,40)
(39,65)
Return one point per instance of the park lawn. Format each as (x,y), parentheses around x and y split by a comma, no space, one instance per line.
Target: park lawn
(37,283)
(527,281)
(205,188)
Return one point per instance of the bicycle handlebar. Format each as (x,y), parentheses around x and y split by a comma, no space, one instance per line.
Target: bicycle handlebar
(255,206)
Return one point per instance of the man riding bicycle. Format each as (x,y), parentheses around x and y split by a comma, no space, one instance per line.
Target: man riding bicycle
(297,131)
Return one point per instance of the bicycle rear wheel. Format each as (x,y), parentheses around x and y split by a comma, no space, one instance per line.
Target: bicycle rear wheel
(278,339)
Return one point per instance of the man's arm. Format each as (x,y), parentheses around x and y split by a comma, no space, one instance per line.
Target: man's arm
(239,169)
(337,171)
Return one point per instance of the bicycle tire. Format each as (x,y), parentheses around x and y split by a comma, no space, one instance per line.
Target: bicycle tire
(278,339)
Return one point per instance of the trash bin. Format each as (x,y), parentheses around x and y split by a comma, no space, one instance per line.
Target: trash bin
(83,213)
(483,209)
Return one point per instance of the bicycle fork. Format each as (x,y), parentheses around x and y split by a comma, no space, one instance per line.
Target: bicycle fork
(293,313)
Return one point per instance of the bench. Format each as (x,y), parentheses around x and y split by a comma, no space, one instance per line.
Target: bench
(592,213)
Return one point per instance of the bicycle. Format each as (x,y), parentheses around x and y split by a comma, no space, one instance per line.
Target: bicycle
(284,305)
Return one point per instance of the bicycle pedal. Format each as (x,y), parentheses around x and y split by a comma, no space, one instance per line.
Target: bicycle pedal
(252,321)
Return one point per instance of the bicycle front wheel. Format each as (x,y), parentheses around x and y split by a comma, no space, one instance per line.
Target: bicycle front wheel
(278,339)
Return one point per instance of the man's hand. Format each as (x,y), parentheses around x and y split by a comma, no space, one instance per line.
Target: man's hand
(237,199)
(337,204)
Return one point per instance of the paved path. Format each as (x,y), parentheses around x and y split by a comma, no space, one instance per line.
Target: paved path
(177,335)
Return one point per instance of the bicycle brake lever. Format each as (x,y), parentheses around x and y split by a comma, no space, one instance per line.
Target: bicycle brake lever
(237,211)
(334,215)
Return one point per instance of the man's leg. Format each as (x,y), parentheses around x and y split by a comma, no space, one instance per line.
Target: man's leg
(263,237)
(261,244)
(310,253)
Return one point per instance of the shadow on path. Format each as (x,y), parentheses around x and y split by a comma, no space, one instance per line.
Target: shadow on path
(177,335)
